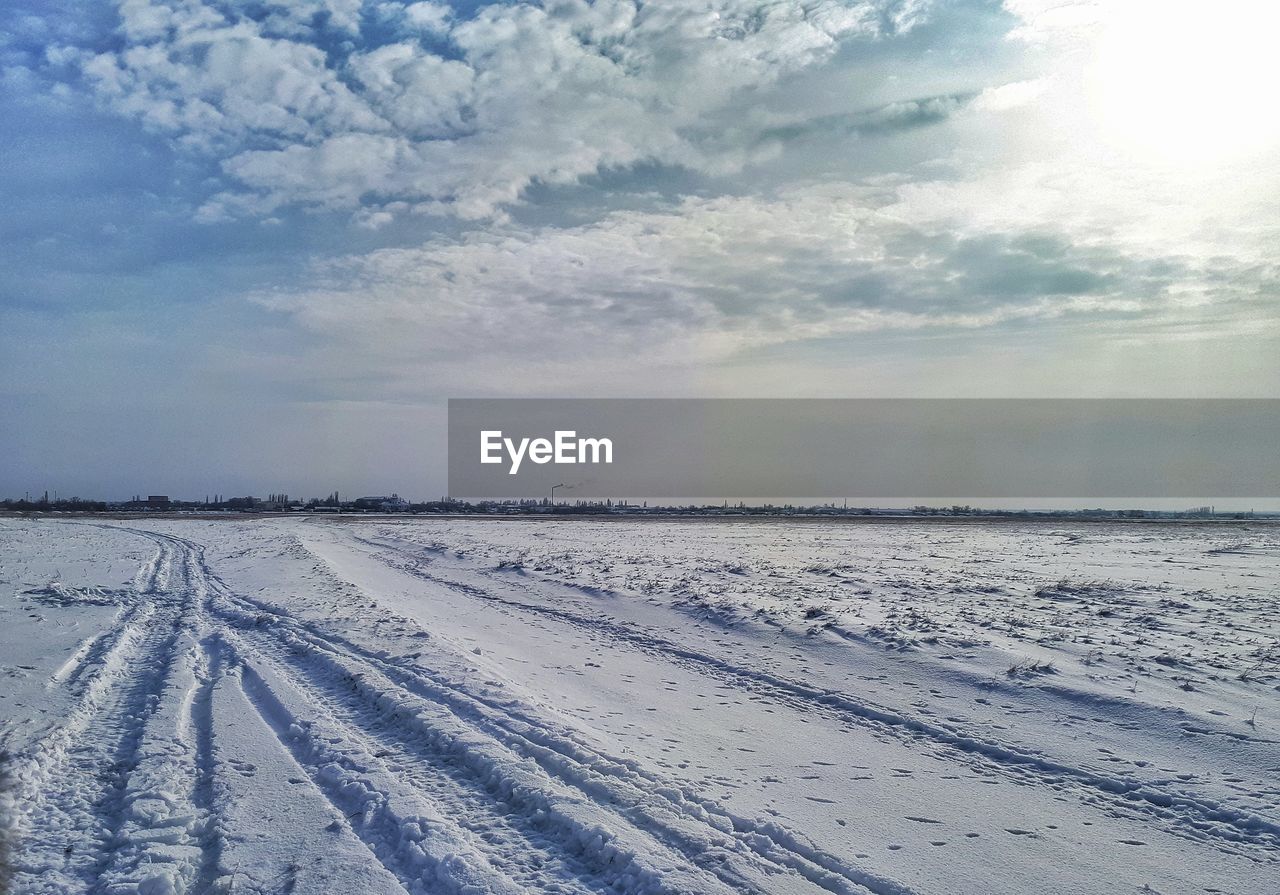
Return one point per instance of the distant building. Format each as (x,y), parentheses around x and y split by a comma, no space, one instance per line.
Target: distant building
(158,501)
(392,504)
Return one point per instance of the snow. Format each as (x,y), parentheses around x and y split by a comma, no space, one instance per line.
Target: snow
(637,706)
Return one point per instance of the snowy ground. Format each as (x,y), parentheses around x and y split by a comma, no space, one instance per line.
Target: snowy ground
(466,706)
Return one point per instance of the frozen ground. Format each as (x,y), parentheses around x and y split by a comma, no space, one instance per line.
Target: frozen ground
(466,706)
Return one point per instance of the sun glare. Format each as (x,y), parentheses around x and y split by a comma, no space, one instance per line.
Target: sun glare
(1190,82)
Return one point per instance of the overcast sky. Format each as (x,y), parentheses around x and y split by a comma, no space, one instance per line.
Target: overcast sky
(253,246)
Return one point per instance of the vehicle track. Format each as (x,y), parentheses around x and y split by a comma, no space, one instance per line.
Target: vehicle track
(504,802)
(581,807)
(440,800)
(448,786)
(1232,829)
(382,738)
(75,780)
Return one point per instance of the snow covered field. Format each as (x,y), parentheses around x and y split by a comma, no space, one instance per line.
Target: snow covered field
(465,706)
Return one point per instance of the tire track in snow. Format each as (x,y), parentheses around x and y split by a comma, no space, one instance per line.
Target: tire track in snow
(527,852)
(345,784)
(86,826)
(198,719)
(1185,814)
(741,851)
(79,796)
(577,835)
(49,776)
(149,841)
(94,650)
(90,649)
(394,838)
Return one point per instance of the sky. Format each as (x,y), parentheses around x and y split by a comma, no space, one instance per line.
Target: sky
(252,247)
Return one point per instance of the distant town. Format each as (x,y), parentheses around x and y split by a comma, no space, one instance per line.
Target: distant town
(334,503)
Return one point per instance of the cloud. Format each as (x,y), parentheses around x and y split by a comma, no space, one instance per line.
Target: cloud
(458,114)
(891,117)
(712,280)
(432,18)
(423,96)
(145,20)
(1009,96)
(736,197)
(214,86)
(1045,20)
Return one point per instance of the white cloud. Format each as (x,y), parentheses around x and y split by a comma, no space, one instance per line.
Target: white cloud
(715,278)
(220,86)
(419,93)
(848,193)
(432,18)
(549,92)
(1045,20)
(1008,96)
